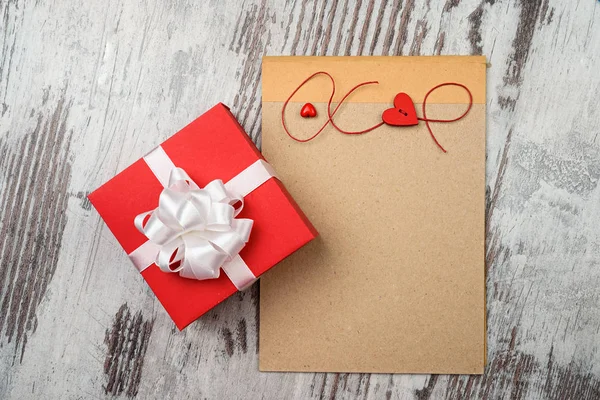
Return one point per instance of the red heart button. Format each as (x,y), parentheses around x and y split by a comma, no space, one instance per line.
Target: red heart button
(308,111)
(403,113)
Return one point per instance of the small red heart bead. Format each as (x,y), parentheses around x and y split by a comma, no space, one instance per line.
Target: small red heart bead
(403,113)
(308,111)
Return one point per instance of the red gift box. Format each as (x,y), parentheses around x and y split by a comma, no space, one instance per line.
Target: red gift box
(214,146)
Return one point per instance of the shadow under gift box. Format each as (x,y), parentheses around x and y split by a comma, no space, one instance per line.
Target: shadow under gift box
(214,146)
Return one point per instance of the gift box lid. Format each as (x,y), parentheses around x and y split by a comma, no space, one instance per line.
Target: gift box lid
(214,146)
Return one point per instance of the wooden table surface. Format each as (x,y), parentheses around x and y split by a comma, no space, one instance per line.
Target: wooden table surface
(88,87)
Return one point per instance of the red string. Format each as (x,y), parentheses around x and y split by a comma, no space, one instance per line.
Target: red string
(427,120)
(330,113)
(340,103)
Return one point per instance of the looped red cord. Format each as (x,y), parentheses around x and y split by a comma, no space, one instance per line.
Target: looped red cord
(330,114)
(427,120)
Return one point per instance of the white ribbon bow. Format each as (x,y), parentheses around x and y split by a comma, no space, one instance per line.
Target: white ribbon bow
(195,228)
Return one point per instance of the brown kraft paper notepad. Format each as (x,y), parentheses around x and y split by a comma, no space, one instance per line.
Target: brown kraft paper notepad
(395,282)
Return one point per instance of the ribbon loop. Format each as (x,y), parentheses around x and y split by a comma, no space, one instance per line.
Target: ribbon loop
(195,228)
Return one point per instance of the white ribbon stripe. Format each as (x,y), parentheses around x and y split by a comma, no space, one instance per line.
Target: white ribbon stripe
(194,231)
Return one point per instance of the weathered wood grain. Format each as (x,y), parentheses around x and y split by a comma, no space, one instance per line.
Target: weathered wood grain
(88,87)
(127,343)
